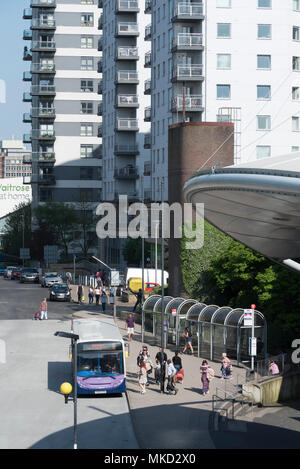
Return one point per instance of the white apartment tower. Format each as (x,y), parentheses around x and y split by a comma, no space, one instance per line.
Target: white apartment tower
(62,48)
(226,60)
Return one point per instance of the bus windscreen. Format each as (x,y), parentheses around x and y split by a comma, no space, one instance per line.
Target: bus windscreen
(99,361)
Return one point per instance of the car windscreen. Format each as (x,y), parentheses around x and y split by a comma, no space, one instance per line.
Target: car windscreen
(60,288)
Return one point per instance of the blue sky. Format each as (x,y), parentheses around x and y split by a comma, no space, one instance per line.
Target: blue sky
(12,68)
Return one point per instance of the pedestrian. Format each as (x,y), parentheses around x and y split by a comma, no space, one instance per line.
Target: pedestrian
(79,293)
(273,367)
(171,372)
(91,295)
(44,309)
(226,368)
(103,300)
(162,359)
(188,340)
(207,374)
(97,294)
(129,324)
(142,375)
(98,279)
(157,371)
(139,298)
(177,364)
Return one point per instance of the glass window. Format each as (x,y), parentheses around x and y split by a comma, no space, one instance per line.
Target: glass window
(263,92)
(86,172)
(264,4)
(263,122)
(264,31)
(295,93)
(296,63)
(86,130)
(87,86)
(87,63)
(223,3)
(296,33)
(86,151)
(87,19)
(296,5)
(224,61)
(224,30)
(295,124)
(294,149)
(264,62)
(223,91)
(87,42)
(86,108)
(263,151)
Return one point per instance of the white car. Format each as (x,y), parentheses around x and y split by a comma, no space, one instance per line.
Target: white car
(50,278)
(8,270)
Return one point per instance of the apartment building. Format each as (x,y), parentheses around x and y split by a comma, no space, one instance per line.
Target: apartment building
(225,61)
(62,48)
(15,159)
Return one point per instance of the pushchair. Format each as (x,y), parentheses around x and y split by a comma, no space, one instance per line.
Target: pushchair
(170,387)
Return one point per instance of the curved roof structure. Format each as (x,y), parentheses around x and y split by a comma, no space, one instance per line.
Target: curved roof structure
(257,204)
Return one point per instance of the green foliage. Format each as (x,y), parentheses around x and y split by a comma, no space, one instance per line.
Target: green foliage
(17,224)
(132,251)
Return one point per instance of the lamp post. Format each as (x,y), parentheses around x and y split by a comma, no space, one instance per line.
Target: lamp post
(162,291)
(65,389)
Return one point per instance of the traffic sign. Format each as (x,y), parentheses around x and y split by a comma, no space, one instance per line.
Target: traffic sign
(24,253)
(51,254)
(253,306)
(114,278)
(173,312)
(252,346)
(248,317)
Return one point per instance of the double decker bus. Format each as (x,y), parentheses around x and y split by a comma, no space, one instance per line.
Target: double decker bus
(100,357)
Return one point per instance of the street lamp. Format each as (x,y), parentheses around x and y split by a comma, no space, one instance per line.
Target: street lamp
(66,388)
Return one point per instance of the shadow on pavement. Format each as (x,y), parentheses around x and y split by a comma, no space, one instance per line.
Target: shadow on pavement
(58,373)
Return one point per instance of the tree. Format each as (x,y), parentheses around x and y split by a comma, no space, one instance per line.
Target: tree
(132,251)
(17,228)
(85,225)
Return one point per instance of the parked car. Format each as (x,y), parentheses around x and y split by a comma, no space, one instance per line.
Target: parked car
(47,274)
(2,269)
(29,275)
(50,279)
(16,273)
(60,292)
(8,271)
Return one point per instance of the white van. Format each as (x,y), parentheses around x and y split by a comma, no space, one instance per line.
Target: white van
(149,275)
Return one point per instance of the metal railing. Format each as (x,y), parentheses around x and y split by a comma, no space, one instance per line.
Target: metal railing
(127,5)
(283,362)
(43,23)
(127,76)
(193,102)
(188,40)
(188,71)
(127,53)
(127,124)
(43,45)
(127,100)
(42,89)
(188,9)
(127,29)
(43,67)
(43,112)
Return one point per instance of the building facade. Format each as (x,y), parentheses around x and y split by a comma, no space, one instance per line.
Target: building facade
(15,159)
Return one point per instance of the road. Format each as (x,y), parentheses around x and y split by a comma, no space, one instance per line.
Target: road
(33,412)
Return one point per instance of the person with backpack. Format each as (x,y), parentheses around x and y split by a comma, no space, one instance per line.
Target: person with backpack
(207,374)
(188,340)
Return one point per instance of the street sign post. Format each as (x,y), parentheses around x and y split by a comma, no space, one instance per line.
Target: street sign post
(248,317)
(51,254)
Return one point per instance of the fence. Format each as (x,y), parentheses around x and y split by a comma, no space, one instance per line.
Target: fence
(284,364)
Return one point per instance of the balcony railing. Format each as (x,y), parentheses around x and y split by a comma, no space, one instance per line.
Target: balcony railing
(128,100)
(147,87)
(188,41)
(147,140)
(127,29)
(27,159)
(188,72)
(148,6)
(27,34)
(147,114)
(45,179)
(127,125)
(26,117)
(43,89)
(27,98)
(126,150)
(127,53)
(44,157)
(128,172)
(27,76)
(148,32)
(27,56)
(43,23)
(127,6)
(26,138)
(100,43)
(43,45)
(127,76)
(46,134)
(27,14)
(43,67)
(188,11)
(148,60)
(44,112)
(190,103)
(43,3)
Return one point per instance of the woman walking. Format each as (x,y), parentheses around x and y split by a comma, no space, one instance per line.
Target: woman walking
(142,374)
(103,300)
(97,294)
(188,340)
(226,367)
(207,373)
(91,295)
(44,309)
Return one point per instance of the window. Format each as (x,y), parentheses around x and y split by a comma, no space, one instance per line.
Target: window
(295,124)
(86,130)
(86,108)
(223,3)
(87,86)
(87,2)
(296,33)
(294,149)
(86,195)
(264,62)
(223,61)
(87,42)
(296,63)
(87,19)
(223,91)
(264,3)
(224,30)
(296,5)
(87,63)
(263,122)
(86,172)
(263,92)
(264,31)
(263,151)
(86,151)
(295,93)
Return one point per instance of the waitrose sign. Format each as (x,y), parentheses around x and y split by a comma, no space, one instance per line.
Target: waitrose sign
(12,193)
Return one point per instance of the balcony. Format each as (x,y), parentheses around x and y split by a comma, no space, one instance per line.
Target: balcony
(148,60)
(43,134)
(128,100)
(43,112)
(100,131)
(128,172)
(147,140)
(127,77)
(44,157)
(127,29)
(43,68)
(148,6)
(188,73)
(100,44)
(40,90)
(44,23)
(127,53)
(126,150)
(27,159)
(43,46)
(147,87)
(100,3)
(129,125)
(46,179)
(27,98)
(147,114)
(100,87)
(127,6)
(27,76)
(191,41)
(26,55)
(26,138)
(43,3)
(27,35)
(26,118)
(27,14)
(100,109)
(132,196)
(148,32)
(100,22)
(188,12)
(147,168)
(189,103)
(100,66)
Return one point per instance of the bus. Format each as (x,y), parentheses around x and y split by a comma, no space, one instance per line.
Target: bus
(100,357)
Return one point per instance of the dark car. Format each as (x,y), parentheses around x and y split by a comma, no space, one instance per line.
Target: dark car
(16,273)
(29,275)
(2,269)
(60,292)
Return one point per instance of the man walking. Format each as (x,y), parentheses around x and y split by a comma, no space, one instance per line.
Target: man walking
(129,323)
(162,359)
(139,298)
